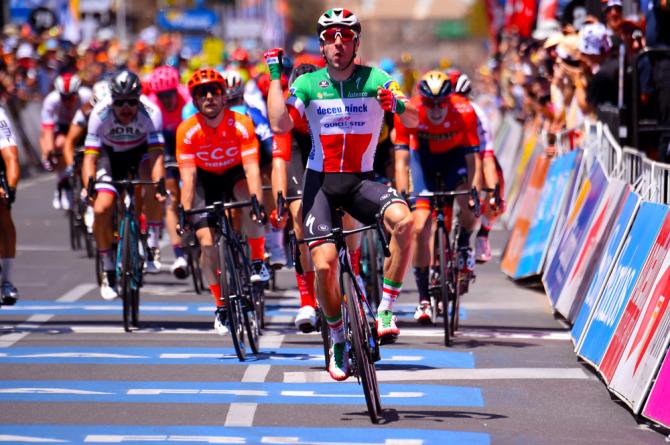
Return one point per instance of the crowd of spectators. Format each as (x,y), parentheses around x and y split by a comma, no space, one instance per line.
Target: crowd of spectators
(578,70)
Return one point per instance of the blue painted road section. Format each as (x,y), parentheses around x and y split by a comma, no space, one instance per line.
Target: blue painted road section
(219,434)
(400,358)
(271,393)
(28,307)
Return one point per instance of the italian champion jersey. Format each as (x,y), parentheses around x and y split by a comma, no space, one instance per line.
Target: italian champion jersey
(345,118)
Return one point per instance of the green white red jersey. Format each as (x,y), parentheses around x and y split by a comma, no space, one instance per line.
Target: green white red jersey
(345,118)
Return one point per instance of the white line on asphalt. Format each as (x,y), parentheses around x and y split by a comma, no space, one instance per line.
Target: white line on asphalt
(256,374)
(76,293)
(241,414)
(271,341)
(454,374)
(40,248)
(24,329)
(32,181)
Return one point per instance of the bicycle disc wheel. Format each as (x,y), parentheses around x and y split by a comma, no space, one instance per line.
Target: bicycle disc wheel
(251,323)
(72,225)
(362,357)
(230,294)
(192,261)
(248,297)
(444,282)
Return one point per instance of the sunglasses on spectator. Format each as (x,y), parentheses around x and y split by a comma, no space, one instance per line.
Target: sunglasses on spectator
(331,34)
(130,102)
(202,91)
(434,103)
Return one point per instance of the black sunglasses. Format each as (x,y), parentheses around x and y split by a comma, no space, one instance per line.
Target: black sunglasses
(166,94)
(130,102)
(204,90)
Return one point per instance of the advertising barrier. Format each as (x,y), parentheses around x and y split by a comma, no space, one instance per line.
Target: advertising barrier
(530,152)
(553,197)
(616,293)
(611,254)
(585,261)
(577,225)
(649,277)
(506,145)
(657,408)
(648,342)
(529,201)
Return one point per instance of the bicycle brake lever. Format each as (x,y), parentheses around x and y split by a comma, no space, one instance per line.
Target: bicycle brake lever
(161,187)
(477,208)
(295,252)
(90,188)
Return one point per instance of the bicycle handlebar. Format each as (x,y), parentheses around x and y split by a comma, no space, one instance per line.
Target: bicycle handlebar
(127,183)
(282,204)
(337,233)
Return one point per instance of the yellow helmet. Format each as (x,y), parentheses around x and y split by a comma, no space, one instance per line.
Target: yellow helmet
(435,85)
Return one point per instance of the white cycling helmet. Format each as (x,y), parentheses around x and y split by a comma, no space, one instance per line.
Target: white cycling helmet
(463,85)
(338,17)
(67,84)
(100,91)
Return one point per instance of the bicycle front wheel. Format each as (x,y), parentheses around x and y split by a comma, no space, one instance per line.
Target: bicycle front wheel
(231,296)
(444,278)
(362,359)
(124,275)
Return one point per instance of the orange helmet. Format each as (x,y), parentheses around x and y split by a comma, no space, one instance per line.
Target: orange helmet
(204,76)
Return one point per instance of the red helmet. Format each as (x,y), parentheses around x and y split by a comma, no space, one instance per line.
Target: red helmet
(164,78)
(204,76)
(453,74)
(240,55)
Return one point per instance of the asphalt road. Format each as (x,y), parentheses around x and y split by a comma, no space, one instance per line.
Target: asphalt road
(70,373)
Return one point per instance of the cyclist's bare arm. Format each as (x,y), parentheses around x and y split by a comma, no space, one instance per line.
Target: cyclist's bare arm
(402,170)
(47,140)
(490,172)
(278,113)
(88,167)
(474,169)
(253,174)
(410,117)
(74,133)
(188,176)
(281,156)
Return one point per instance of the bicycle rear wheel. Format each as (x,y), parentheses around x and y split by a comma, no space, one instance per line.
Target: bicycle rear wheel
(231,296)
(248,299)
(325,336)
(444,281)
(362,359)
(193,262)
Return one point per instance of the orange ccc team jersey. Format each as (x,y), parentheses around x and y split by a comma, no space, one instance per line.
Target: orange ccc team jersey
(217,150)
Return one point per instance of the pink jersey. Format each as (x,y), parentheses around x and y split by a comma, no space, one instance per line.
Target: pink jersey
(172,119)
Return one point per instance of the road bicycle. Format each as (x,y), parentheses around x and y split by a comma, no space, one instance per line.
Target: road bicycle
(77,213)
(359,318)
(243,300)
(131,246)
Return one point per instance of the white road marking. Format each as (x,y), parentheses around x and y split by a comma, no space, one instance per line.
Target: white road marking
(27,439)
(454,374)
(32,181)
(256,374)
(41,248)
(270,340)
(76,293)
(23,329)
(117,438)
(241,414)
(51,391)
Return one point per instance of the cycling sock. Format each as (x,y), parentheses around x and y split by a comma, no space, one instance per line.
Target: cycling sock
(464,238)
(485,228)
(421,278)
(178,250)
(306,288)
(355,256)
(257,248)
(215,289)
(391,290)
(107,261)
(336,326)
(153,239)
(7,269)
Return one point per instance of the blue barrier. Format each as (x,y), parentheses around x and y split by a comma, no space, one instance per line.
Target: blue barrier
(616,293)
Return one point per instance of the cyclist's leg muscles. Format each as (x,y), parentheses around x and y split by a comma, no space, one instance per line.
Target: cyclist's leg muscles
(7,233)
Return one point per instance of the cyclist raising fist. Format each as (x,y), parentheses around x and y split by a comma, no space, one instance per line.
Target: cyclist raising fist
(344,104)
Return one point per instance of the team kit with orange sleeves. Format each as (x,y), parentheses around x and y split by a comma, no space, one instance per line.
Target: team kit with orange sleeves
(218,154)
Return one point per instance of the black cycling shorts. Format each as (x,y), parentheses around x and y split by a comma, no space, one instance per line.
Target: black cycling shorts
(300,148)
(355,193)
(169,154)
(210,188)
(115,166)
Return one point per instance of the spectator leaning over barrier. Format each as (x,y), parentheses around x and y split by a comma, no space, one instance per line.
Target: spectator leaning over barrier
(597,83)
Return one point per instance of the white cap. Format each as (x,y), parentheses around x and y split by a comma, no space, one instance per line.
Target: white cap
(25,51)
(594,40)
